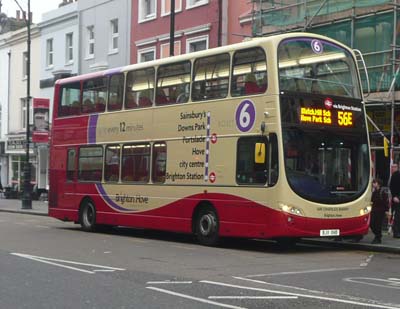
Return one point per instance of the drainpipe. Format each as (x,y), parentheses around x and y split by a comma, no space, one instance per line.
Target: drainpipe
(8,112)
(219,22)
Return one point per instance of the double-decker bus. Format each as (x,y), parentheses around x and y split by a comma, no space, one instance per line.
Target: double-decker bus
(262,139)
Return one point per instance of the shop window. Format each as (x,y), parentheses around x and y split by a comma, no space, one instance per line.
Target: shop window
(211,77)
(90,163)
(249,73)
(159,162)
(136,163)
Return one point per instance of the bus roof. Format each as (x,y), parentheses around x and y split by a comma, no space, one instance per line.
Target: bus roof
(203,53)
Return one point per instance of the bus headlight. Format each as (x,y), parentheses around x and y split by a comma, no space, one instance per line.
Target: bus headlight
(291,209)
(365,210)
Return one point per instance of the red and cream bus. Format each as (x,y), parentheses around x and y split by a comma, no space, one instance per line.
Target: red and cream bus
(262,139)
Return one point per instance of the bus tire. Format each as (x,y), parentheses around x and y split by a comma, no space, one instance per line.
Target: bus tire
(207,226)
(88,216)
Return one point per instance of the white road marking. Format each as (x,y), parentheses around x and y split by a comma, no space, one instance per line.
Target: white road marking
(52,262)
(183,247)
(206,301)
(367,261)
(169,282)
(298,294)
(303,272)
(42,226)
(392,284)
(252,297)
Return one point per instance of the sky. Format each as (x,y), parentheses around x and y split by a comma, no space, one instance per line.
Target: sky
(38,7)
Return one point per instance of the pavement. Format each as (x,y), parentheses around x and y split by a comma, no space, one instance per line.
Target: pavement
(389,244)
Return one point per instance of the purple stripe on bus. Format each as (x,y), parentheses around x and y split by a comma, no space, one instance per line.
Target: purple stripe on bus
(112,71)
(108,200)
(92,128)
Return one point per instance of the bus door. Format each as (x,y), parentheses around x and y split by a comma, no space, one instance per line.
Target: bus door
(69,187)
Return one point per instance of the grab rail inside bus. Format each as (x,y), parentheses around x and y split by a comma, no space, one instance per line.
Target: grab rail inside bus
(358,52)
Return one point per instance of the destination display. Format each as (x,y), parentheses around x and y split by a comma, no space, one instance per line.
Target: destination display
(321,112)
(326,117)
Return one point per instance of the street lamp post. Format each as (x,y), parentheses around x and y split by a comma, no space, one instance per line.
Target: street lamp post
(27,191)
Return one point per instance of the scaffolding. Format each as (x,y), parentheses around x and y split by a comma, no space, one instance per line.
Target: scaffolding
(371,26)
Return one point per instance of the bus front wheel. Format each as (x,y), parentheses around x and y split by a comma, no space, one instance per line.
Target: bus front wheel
(207,227)
(88,216)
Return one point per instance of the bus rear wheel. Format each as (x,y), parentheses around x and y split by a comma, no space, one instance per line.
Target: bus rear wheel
(88,216)
(207,227)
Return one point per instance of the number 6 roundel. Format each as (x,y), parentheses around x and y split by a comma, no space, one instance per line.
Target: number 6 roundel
(245,115)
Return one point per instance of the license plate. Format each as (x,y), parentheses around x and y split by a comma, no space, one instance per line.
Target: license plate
(329,232)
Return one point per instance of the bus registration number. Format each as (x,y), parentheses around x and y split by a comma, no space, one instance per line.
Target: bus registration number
(329,232)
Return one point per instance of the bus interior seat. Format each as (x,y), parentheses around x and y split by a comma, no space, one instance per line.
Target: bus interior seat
(130,100)
(161,98)
(87,106)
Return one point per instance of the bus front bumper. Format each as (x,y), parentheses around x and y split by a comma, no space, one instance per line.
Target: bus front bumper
(298,226)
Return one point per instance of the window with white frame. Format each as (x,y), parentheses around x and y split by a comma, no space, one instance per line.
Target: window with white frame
(49,52)
(69,48)
(24,115)
(24,65)
(166,7)
(164,49)
(194,3)
(147,54)
(147,9)
(196,44)
(114,35)
(90,40)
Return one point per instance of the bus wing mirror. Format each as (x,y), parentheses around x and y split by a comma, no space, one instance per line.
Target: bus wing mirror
(259,153)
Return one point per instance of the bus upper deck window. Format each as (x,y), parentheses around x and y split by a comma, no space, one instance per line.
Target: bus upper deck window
(173,82)
(211,77)
(140,88)
(249,72)
(70,100)
(115,92)
(94,95)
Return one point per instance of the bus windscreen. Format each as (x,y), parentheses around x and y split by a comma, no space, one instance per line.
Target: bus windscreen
(317,66)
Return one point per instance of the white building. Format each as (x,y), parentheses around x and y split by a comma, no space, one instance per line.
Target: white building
(17,102)
(5,58)
(58,59)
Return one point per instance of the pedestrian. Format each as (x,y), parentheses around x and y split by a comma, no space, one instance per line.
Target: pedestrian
(380,208)
(395,191)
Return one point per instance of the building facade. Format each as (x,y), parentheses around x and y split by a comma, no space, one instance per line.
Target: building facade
(103,34)
(17,104)
(5,58)
(59,37)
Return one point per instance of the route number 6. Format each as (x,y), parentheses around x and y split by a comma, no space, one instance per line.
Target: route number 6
(316,46)
(245,115)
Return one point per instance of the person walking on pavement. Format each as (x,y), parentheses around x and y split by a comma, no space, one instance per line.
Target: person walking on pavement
(380,207)
(395,191)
